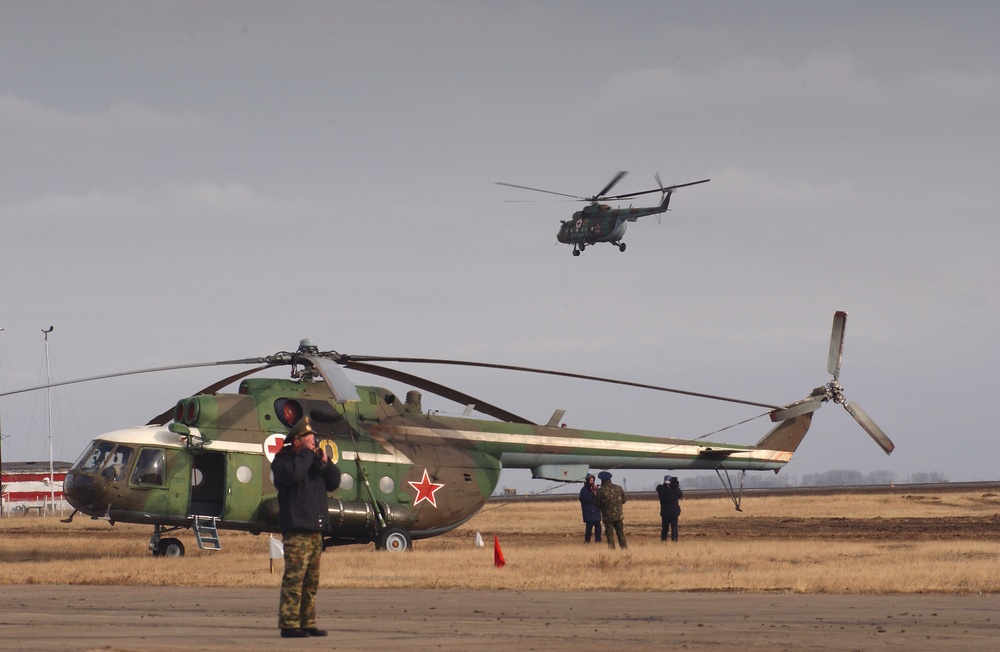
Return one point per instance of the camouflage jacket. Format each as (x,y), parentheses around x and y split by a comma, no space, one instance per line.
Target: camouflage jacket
(610,498)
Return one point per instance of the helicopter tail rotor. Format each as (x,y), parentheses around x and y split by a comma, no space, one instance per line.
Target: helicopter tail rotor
(836,344)
(834,391)
(870,427)
(665,201)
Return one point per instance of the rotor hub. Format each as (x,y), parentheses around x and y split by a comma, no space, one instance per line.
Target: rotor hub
(835,392)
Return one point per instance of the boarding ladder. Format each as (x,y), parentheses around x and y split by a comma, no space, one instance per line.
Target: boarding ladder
(206,533)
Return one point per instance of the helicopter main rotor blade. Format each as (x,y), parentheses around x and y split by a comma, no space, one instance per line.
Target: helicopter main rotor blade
(870,427)
(438,389)
(836,344)
(163,418)
(342,388)
(551,192)
(565,374)
(660,189)
(616,179)
(140,371)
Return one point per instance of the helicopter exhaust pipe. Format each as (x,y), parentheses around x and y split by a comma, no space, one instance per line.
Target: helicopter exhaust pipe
(413,401)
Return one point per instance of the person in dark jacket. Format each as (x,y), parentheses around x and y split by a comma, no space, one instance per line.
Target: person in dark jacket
(302,475)
(670,509)
(591,512)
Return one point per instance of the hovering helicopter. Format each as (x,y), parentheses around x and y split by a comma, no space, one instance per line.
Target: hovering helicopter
(599,222)
(407,473)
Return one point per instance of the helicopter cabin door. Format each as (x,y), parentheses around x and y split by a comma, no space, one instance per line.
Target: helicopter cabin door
(208,483)
(243,495)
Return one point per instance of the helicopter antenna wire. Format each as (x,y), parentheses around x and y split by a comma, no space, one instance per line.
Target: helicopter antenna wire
(489,508)
(687,441)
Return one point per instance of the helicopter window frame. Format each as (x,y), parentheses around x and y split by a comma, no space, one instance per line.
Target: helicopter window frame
(150,468)
(114,469)
(93,460)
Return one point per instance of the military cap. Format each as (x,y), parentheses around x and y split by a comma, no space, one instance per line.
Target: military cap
(604,475)
(301,429)
(666,479)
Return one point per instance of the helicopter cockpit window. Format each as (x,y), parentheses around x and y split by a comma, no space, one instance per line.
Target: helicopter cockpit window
(149,467)
(95,458)
(114,470)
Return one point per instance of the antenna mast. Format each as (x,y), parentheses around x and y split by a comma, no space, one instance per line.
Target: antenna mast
(1,462)
(48,401)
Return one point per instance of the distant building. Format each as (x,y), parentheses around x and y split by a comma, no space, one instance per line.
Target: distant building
(26,486)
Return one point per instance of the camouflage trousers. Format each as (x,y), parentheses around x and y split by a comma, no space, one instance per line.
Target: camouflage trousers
(614,529)
(301,579)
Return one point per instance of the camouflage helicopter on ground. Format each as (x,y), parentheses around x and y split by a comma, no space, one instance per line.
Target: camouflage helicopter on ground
(599,222)
(406,473)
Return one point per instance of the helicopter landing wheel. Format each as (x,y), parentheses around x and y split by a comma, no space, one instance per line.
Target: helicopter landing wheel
(621,246)
(576,252)
(394,539)
(169,547)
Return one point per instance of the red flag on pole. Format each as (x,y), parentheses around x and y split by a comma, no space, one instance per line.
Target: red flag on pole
(498,559)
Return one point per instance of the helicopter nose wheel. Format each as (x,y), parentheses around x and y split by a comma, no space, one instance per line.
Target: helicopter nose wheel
(576,252)
(621,246)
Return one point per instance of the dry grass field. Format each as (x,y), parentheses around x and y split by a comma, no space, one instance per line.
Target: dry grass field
(839,544)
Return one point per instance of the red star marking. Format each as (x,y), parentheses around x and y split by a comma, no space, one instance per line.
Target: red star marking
(425,490)
(278,443)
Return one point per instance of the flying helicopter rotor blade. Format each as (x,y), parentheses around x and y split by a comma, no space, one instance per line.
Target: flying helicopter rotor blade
(630,194)
(616,179)
(836,344)
(870,427)
(487,365)
(439,390)
(551,192)
(661,189)
(168,414)
(218,363)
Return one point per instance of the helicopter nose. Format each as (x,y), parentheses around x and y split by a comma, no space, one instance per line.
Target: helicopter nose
(81,491)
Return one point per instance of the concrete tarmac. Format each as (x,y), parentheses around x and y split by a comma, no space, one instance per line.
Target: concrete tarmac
(114,618)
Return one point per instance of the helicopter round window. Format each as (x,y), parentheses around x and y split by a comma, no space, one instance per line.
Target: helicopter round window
(386,484)
(196,477)
(244,474)
(346,481)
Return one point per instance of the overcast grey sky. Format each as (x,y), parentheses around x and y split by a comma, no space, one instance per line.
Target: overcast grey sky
(194,181)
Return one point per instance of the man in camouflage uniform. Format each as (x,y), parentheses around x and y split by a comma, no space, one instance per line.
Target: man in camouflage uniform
(302,475)
(610,498)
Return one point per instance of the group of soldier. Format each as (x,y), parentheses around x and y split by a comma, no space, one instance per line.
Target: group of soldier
(603,504)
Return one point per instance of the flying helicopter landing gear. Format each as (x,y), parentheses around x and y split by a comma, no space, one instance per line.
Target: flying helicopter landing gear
(394,539)
(621,246)
(576,252)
